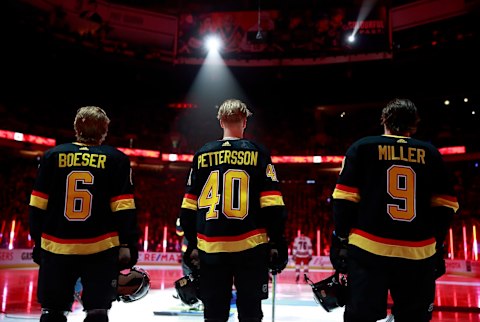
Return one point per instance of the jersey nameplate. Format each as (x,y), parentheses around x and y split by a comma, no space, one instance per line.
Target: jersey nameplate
(79,159)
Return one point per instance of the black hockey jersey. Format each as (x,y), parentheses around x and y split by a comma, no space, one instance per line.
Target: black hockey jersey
(396,183)
(83,200)
(231,185)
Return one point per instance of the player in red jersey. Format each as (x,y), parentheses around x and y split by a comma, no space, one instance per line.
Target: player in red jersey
(302,254)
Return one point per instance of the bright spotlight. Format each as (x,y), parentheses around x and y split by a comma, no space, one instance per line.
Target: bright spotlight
(351,38)
(212,43)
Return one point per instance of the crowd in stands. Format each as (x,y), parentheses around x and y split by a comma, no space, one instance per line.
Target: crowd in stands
(287,32)
(290,32)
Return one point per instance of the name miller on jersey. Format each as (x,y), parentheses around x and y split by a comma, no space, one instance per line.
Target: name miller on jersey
(241,157)
(78,159)
(402,153)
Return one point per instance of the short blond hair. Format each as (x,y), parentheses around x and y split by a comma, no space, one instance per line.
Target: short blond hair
(91,125)
(233,110)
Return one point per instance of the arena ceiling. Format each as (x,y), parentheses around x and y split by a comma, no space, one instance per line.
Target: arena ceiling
(45,67)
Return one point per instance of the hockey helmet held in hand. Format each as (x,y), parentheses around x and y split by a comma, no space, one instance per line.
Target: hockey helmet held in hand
(133,285)
(187,289)
(330,293)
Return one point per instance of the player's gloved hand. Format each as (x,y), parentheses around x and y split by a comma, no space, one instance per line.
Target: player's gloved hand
(191,259)
(37,254)
(338,253)
(440,268)
(278,259)
(127,256)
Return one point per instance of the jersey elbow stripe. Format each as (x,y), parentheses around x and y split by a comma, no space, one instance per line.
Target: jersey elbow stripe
(445,201)
(190,202)
(39,200)
(123,202)
(271,198)
(415,250)
(180,233)
(346,195)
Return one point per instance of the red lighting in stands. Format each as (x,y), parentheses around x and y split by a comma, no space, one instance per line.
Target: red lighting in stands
(182,105)
(20,137)
(475,245)
(140,153)
(177,157)
(453,150)
(145,239)
(308,159)
(450,233)
(275,159)
(328,159)
(292,159)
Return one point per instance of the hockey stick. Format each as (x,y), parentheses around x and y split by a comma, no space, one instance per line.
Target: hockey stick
(274,286)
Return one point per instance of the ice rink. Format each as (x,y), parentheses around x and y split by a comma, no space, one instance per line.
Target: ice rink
(458,299)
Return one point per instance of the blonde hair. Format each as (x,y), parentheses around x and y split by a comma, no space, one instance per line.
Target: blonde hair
(233,110)
(91,125)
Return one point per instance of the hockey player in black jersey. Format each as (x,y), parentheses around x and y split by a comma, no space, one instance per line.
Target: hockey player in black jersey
(233,216)
(392,207)
(83,220)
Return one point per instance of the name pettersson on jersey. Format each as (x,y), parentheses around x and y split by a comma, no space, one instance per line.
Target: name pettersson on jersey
(215,158)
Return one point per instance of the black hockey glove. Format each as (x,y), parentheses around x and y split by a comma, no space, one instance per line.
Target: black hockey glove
(191,259)
(338,253)
(133,255)
(278,259)
(37,254)
(128,256)
(440,268)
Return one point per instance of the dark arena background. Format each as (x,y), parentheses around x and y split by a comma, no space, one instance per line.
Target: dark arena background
(312,90)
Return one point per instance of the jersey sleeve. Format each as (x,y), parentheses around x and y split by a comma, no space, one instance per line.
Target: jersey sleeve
(188,209)
(39,197)
(443,187)
(272,205)
(346,194)
(122,203)
(444,202)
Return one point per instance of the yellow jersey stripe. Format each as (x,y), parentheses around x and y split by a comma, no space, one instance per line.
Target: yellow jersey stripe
(342,194)
(271,200)
(390,250)
(232,246)
(38,202)
(80,249)
(122,204)
(442,201)
(188,203)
